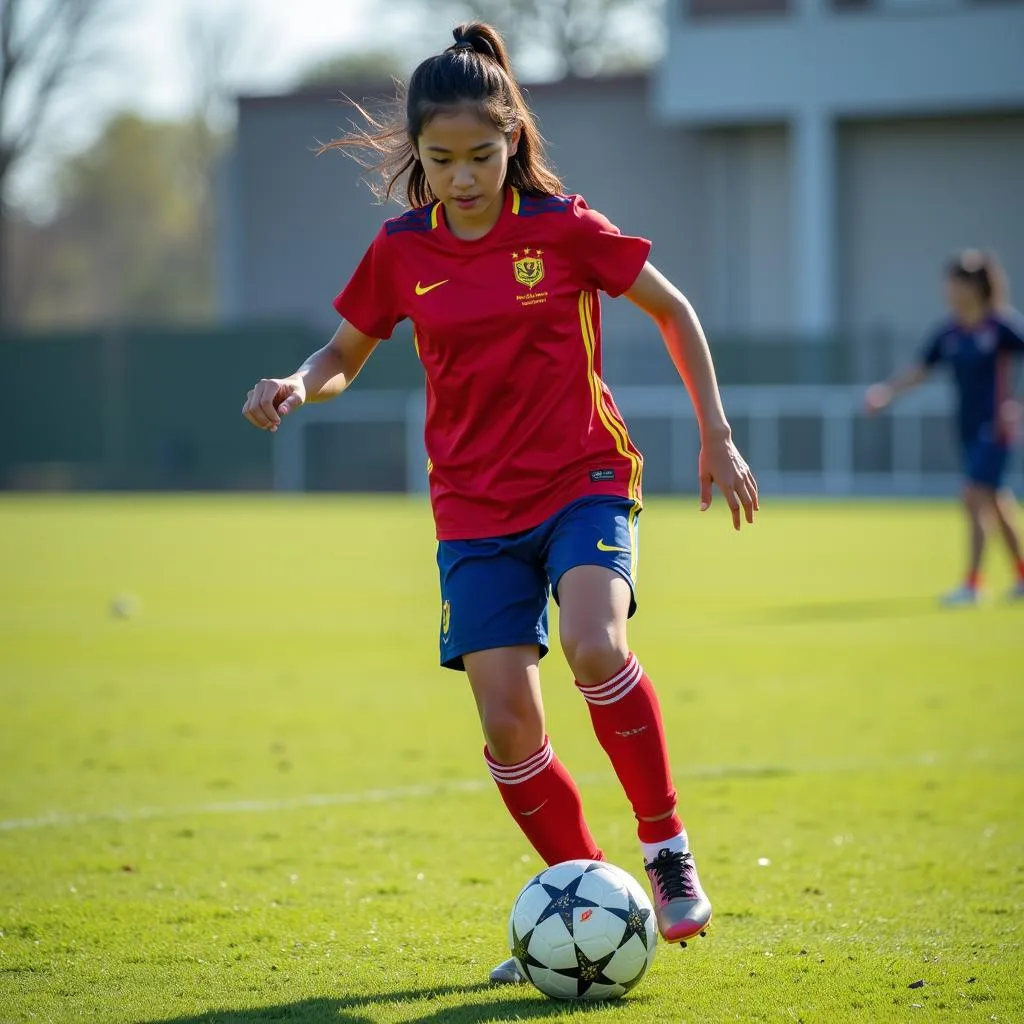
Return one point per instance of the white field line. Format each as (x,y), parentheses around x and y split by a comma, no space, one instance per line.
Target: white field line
(440,789)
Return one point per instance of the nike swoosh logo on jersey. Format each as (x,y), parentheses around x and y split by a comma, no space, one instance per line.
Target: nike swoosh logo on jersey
(601,546)
(422,290)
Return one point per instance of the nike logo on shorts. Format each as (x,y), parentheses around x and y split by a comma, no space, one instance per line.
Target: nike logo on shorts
(601,546)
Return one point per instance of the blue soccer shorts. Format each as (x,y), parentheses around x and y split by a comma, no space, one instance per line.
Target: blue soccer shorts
(494,592)
(985,462)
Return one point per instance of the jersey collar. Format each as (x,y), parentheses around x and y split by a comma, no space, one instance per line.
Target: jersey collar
(509,209)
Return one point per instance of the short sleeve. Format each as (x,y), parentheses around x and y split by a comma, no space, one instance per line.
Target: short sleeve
(931,350)
(1011,332)
(607,259)
(368,301)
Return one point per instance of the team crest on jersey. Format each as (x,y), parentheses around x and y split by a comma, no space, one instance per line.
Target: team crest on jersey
(986,340)
(529,267)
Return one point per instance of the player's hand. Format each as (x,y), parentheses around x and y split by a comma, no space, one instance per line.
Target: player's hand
(271,399)
(877,397)
(722,465)
(1011,416)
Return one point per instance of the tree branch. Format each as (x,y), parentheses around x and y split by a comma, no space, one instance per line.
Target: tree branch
(52,47)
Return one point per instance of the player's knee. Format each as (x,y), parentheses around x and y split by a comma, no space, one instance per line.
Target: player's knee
(979,499)
(596,655)
(512,734)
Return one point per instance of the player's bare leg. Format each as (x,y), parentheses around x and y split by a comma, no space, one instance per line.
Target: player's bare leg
(1007,517)
(534,785)
(978,504)
(624,709)
(506,687)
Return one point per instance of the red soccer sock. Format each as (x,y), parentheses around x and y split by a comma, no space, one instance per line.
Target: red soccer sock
(545,803)
(627,721)
(1020,569)
(973,580)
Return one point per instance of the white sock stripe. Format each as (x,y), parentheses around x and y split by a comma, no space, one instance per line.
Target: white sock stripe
(628,667)
(515,778)
(611,695)
(513,775)
(596,689)
(616,688)
(531,765)
(535,758)
(601,702)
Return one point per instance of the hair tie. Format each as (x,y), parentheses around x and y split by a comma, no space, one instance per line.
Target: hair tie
(463,44)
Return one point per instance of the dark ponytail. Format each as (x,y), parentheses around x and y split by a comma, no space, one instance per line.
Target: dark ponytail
(982,270)
(474,69)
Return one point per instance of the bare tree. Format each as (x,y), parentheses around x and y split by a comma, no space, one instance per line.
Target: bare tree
(219,42)
(44,45)
(571,37)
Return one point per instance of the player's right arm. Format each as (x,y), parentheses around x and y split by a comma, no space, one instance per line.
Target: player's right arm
(325,374)
(884,393)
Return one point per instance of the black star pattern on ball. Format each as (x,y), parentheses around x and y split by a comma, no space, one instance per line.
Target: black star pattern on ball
(587,972)
(563,903)
(521,951)
(635,917)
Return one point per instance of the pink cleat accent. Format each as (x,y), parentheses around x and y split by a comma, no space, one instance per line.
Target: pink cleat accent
(680,904)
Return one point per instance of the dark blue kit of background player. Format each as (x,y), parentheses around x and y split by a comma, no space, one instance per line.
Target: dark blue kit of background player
(982,359)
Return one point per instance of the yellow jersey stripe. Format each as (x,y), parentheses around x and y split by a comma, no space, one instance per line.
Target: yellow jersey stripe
(613,424)
(433,215)
(515,201)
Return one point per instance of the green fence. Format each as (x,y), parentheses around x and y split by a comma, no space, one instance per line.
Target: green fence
(151,408)
(158,408)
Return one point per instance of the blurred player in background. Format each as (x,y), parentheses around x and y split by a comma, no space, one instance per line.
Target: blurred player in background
(980,341)
(534,480)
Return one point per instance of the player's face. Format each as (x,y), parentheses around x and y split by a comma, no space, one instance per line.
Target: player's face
(963,298)
(465,158)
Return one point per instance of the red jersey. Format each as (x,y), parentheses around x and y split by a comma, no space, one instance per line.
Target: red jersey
(508,328)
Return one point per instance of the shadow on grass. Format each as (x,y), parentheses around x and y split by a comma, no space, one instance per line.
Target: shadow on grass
(842,611)
(526,1004)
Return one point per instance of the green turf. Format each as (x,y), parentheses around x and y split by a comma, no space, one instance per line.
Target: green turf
(822,714)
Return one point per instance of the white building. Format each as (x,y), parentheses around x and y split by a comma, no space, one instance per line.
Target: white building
(850,147)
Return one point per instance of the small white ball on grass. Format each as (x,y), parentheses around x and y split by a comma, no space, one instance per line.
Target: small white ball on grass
(124,607)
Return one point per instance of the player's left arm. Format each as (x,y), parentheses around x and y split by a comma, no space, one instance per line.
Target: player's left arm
(1011,340)
(720,461)
(1011,332)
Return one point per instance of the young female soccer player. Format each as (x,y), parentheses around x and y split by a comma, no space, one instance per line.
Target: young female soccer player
(978,341)
(534,480)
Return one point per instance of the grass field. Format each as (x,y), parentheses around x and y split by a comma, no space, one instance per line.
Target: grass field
(255,797)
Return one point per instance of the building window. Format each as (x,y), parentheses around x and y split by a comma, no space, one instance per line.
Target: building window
(732,8)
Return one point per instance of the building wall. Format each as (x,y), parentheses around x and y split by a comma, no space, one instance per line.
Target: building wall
(745,185)
(912,193)
(932,57)
(299,222)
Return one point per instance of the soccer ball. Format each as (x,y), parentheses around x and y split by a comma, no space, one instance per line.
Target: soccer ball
(583,929)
